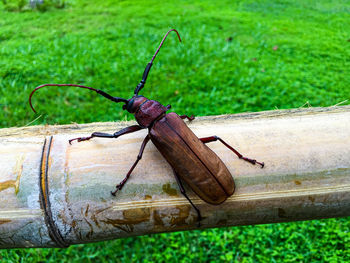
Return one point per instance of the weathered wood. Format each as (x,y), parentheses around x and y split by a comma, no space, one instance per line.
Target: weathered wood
(53,194)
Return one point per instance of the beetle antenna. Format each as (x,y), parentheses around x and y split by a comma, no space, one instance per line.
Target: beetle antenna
(104,94)
(149,65)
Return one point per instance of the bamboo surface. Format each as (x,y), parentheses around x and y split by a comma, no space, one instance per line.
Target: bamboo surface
(53,194)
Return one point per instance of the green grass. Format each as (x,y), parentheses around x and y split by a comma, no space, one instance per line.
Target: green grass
(235,57)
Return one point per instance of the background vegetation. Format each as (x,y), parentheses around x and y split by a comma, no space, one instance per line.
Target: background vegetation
(235,57)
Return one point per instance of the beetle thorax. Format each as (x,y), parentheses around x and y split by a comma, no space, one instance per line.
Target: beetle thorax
(146,111)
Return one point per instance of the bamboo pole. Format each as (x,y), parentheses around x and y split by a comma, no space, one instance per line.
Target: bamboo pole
(54,195)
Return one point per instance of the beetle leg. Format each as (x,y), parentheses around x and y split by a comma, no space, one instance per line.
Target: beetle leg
(188,118)
(240,156)
(183,191)
(139,156)
(126,130)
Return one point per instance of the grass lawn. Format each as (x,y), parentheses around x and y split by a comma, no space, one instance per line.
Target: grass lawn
(236,56)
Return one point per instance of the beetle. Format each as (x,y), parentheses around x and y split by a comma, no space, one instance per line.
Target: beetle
(191,160)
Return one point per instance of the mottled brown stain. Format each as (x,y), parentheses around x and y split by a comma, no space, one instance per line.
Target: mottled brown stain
(4,221)
(98,211)
(137,215)
(65,221)
(222,221)
(311,198)
(17,171)
(91,232)
(297,182)
(179,219)
(94,219)
(87,210)
(157,218)
(148,197)
(7,184)
(131,218)
(119,223)
(282,213)
(170,191)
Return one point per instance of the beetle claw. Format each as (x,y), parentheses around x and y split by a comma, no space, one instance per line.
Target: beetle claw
(114,192)
(70,141)
(119,187)
(262,164)
(80,139)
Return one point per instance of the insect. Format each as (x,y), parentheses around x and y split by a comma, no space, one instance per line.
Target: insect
(191,160)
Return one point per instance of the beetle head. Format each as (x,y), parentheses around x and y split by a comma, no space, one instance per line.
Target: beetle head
(134,103)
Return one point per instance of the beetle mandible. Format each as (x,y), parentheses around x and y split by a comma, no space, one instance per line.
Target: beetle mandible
(191,160)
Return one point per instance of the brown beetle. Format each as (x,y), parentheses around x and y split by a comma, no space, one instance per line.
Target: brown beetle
(192,161)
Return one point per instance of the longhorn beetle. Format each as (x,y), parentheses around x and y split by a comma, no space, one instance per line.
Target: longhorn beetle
(191,160)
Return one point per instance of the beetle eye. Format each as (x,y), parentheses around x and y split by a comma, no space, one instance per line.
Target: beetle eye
(129,105)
